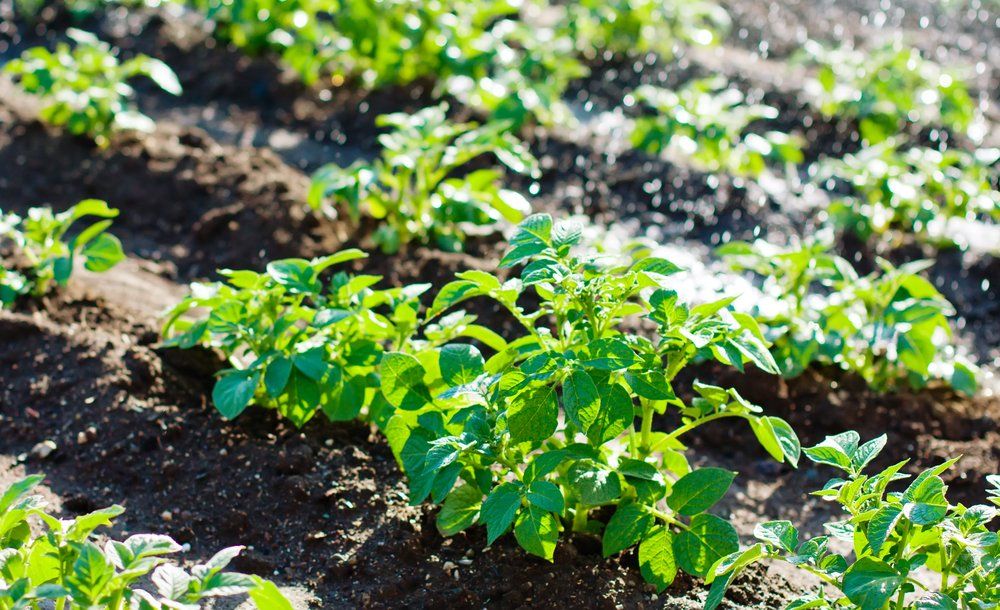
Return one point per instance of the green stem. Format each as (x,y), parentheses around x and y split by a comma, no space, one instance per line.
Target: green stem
(697,422)
(647,427)
(580,518)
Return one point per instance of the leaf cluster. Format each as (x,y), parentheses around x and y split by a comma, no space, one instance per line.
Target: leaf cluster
(420,188)
(890,327)
(707,123)
(887,88)
(41,251)
(918,190)
(559,421)
(83,88)
(894,535)
(62,564)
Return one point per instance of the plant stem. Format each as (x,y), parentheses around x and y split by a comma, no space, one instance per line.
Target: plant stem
(580,518)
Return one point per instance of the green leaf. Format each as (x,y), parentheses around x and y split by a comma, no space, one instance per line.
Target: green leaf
(234,391)
(615,415)
(593,483)
(460,510)
(499,510)
(581,399)
(835,450)
(546,496)
(707,539)
(699,490)
(537,531)
(276,376)
(460,364)
(871,583)
(531,237)
(781,534)
(627,526)
(267,596)
(534,415)
(402,378)
(881,526)
(91,573)
(656,558)
(102,253)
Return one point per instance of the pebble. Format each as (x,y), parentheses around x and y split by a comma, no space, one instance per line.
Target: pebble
(167,515)
(43,449)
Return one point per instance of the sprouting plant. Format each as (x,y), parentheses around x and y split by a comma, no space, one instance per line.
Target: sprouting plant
(889,327)
(420,188)
(643,26)
(707,123)
(83,88)
(888,87)
(917,190)
(545,431)
(894,535)
(299,344)
(40,249)
(58,563)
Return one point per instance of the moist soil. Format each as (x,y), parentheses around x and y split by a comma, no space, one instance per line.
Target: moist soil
(221,183)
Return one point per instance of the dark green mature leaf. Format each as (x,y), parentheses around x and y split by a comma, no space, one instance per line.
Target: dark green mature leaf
(707,539)
(460,363)
(546,496)
(403,381)
(656,558)
(593,483)
(537,531)
(881,526)
(581,399)
(534,415)
(871,583)
(627,526)
(614,416)
(499,509)
(699,490)
(233,392)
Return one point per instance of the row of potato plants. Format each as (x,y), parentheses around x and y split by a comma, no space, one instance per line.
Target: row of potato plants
(571,416)
(706,123)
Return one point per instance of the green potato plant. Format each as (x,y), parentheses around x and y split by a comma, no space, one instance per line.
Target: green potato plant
(299,344)
(643,26)
(562,420)
(894,535)
(417,188)
(889,327)
(83,88)
(916,191)
(887,88)
(39,251)
(59,563)
(706,122)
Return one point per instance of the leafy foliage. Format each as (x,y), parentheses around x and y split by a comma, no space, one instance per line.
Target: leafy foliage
(917,190)
(418,188)
(40,251)
(300,344)
(889,327)
(83,88)
(707,123)
(64,565)
(538,435)
(644,26)
(888,87)
(893,535)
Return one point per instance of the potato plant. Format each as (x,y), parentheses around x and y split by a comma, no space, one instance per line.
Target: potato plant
(300,344)
(894,535)
(917,190)
(890,327)
(419,188)
(643,26)
(40,250)
(570,416)
(887,88)
(706,122)
(83,88)
(60,563)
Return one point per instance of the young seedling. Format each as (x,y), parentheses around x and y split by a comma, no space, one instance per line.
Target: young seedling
(299,344)
(84,88)
(40,252)
(420,187)
(918,190)
(49,562)
(563,419)
(895,535)
(890,327)
(887,88)
(706,123)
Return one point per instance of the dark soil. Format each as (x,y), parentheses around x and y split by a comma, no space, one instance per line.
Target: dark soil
(222,184)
